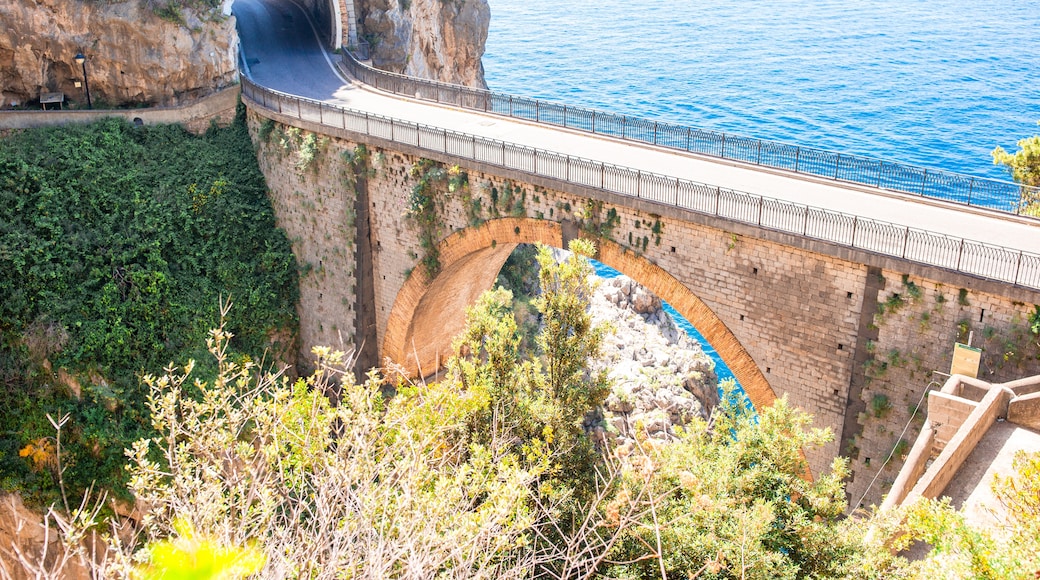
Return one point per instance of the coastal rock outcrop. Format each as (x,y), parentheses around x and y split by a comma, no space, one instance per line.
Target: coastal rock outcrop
(661,378)
(133,54)
(441,40)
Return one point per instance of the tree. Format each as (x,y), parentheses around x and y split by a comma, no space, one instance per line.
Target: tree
(1024,167)
(538,398)
(486,474)
(731,501)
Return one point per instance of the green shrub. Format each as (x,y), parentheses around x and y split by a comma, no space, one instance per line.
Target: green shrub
(116,243)
(880,405)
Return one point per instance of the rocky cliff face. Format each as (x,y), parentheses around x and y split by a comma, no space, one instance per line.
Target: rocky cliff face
(434,39)
(133,55)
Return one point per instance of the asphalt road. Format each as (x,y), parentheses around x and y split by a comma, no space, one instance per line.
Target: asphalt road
(282,51)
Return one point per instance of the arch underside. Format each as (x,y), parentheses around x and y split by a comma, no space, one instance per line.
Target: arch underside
(428,313)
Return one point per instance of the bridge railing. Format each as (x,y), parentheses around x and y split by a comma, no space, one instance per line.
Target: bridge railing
(955,187)
(956,254)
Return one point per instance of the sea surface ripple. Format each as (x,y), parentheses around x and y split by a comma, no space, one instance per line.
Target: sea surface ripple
(935,83)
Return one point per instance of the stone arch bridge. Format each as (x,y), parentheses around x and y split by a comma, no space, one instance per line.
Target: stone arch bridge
(844,312)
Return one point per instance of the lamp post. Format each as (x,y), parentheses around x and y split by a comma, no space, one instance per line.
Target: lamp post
(82,60)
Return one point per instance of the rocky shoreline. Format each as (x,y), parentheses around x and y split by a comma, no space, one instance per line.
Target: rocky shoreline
(661,378)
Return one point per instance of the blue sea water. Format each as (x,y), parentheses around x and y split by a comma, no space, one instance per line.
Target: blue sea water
(937,83)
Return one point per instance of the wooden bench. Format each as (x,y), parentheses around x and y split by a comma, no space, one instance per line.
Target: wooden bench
(50,99)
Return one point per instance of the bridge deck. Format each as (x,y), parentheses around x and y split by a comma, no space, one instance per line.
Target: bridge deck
(284,54)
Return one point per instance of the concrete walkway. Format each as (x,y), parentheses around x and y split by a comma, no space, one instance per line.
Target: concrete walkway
(283,53)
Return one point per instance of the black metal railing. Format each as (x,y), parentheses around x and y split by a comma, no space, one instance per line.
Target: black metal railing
(956,254)
(954,187)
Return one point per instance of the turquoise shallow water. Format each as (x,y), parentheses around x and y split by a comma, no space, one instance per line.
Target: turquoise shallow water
(937,83)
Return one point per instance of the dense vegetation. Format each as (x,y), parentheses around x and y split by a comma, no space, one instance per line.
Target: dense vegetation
(488,474)
(116,244)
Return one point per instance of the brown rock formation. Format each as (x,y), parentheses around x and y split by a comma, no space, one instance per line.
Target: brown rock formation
(133,55)
(434,39)
(29,550)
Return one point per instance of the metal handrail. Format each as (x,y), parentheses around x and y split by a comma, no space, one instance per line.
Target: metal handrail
(933,249)
(949,186)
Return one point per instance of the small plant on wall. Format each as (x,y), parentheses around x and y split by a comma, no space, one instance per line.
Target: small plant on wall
(422,205)
(880,406)
(1034,324)
(592,221)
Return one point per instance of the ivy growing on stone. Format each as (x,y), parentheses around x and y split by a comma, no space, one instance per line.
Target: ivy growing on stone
(422,205)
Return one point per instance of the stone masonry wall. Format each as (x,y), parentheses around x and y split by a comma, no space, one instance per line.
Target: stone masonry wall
(918,321)
(312,192)
(796,312)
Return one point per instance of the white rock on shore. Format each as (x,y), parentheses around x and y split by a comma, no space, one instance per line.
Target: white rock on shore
(661,377)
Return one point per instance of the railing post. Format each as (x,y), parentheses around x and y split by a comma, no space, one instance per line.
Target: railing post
(971,186)
(960,255)
(537,112)
(639,184)
(906,240)
(759,160)
(837,164)
(881,166)
(299,109)
(593,121)
(510,105)
(321,117)
(855,226)
(805,224)
(602,176)
(624,123)
(688,138)
(655,132)
(676,192)
(565,115)
(1018,268)
(760,203)
(797,157)
(718,196)
(924,179)
(723,154)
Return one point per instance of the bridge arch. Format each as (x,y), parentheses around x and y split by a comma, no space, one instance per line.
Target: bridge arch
(428,313)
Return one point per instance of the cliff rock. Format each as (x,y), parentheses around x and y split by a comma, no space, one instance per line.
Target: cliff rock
(434,39)
(133,55)
(26,539)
